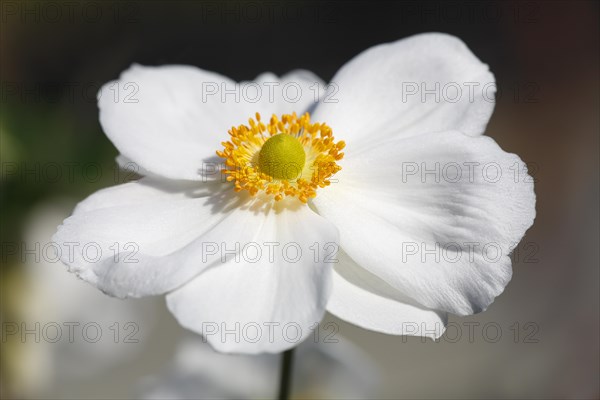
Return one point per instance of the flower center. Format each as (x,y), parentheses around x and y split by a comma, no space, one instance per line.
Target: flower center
(288,157)
(282,157)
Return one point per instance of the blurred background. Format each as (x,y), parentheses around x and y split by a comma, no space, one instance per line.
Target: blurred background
(540,339)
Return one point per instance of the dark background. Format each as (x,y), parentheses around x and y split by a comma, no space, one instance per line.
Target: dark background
(544,54)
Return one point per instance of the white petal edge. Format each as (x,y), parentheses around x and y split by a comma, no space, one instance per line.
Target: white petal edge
(151,236)
(389,220)
(363,299)
(271,303)
(296,91)
(170,120)
(379,94)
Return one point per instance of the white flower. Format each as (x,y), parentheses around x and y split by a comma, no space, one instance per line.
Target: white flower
(387,217)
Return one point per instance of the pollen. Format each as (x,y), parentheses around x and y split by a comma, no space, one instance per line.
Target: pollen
(288,157)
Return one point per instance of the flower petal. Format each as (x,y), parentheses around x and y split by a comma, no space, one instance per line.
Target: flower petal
(424,83)
(269,300)
(363,299)
(170,120)
(297,91)
(442,238)
(147,237)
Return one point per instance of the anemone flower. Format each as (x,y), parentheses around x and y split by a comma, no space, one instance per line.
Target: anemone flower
(424,209)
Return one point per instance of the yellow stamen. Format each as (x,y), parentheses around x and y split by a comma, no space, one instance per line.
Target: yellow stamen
(287,157)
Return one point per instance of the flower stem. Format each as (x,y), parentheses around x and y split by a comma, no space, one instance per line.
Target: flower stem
(285,379)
